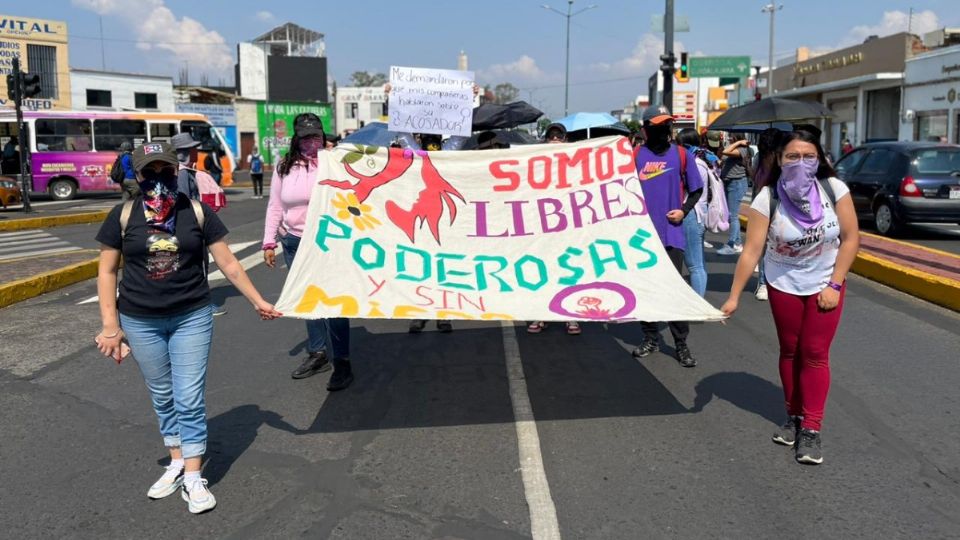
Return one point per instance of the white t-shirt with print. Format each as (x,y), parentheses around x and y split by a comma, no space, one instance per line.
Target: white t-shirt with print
(800,261)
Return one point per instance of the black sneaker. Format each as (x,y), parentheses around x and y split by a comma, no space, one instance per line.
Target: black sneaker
(787,433)
(646,348)
(684,357)
(416,326)
(342,375)
(808,447)
(445,326)
(315,363)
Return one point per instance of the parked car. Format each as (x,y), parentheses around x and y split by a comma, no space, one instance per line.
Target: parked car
(9,192)
(896,183)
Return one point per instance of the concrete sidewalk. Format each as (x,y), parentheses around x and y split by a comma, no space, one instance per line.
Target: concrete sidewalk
(28,277)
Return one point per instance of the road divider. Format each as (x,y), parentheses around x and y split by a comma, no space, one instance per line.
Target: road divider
(44,222)
(939,290)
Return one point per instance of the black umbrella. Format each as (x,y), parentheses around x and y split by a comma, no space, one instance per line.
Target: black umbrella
(504,137)
(490,116)
(770,111)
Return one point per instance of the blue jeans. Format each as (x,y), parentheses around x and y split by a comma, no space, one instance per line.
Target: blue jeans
(693,255)
(172,353)
(339,327)
(763,278)
(735,190)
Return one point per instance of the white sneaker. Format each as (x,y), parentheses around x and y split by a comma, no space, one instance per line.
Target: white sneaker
(727,250)
(761,293)
(738,248)
(707,245)
(198,497)
(167,484)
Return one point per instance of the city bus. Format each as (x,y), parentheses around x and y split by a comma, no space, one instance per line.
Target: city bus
(72,152)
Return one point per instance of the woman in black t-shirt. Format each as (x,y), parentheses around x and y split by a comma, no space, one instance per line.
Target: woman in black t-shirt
(164,309)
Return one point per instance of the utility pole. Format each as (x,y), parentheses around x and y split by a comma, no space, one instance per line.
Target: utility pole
(566,78)
(668,57)
(103,55)
(772,9)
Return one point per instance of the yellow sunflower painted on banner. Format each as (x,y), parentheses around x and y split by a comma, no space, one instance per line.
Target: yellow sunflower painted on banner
(349,207)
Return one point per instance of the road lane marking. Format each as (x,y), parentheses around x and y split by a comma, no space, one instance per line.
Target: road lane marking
(536,489)
(21,234)
(41,252)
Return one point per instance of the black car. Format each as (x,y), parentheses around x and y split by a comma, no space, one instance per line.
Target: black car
(895,183)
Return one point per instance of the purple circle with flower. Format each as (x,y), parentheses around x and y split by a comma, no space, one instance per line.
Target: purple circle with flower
(591,306)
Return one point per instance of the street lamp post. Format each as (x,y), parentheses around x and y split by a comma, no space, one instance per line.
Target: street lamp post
(772,9)
(566,78)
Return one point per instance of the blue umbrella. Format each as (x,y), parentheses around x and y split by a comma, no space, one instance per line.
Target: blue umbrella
(587,120)
(378,134)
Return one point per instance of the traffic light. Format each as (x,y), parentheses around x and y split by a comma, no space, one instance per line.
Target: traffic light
(31,85)
(683,72)
(11,87)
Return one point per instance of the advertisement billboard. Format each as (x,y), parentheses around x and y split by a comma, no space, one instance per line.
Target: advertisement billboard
(275,125)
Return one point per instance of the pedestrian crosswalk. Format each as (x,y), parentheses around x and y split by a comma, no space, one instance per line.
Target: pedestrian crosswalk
(14,245)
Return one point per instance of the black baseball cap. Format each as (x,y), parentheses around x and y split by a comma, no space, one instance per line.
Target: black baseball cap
(556,126)
(308,124)
(656,115)
(147,153)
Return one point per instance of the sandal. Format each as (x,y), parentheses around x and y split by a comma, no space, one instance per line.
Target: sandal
(536,327)
(573,328)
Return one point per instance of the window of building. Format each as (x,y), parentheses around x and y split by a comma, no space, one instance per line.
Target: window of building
(145,101)
(110,134)
(376,110)
(350,110)
(63,135)
(162,132)
(932,126)
(99,98)
(42,60)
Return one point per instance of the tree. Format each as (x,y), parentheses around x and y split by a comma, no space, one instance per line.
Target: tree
(365,78)
(542,126)
(633,125)
(505,93)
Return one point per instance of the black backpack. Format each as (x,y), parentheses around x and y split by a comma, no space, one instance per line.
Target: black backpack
(117,174)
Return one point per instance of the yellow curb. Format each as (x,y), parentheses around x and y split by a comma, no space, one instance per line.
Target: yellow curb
(20,290)
(53,221)
(935,289)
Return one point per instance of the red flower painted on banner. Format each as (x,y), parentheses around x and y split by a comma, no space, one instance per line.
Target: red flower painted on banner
(436,194)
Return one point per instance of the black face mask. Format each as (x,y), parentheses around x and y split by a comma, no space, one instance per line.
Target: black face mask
(658,138)
(165,176)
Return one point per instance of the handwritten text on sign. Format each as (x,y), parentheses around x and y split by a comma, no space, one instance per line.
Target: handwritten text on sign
(538,232)
(438,101)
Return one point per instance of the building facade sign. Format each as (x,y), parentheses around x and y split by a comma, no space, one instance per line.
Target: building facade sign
(275,125)
(41,46)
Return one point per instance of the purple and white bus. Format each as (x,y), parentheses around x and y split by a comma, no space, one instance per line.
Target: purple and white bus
(73,151)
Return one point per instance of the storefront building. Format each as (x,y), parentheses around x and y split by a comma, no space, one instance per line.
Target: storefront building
(861,85)
(358,106)
(223,117)
(931,97)
(95,90)
(41,46)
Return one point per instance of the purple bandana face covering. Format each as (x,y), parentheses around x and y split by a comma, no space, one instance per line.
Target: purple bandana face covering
(310,147)
(799,193)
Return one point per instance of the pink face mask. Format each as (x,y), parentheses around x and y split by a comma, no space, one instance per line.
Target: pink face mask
(310,147)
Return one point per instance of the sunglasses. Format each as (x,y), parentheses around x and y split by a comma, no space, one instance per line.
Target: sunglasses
(164,175)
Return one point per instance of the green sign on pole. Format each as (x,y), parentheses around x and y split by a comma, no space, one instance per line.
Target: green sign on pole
(720,66)
(275,123)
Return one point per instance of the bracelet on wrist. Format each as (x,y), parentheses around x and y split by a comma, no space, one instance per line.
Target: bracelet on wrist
(835,286)
(111,336)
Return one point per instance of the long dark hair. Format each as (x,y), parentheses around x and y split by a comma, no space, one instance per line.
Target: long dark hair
(688,137)
(824,171)
(767,145)
(294,157)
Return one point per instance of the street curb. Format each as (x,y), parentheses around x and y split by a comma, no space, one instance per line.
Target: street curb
(20,290)
(53,221)
(935,289)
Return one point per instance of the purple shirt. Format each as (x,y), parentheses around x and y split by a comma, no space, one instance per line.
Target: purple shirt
(660,181)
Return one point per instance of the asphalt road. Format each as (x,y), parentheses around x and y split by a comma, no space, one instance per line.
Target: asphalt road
(424,444)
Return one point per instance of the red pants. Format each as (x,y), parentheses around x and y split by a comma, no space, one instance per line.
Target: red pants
(805,332)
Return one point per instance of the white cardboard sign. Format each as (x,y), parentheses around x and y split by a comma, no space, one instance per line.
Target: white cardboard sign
(424,100)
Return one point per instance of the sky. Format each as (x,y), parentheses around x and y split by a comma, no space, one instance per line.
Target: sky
(612,52)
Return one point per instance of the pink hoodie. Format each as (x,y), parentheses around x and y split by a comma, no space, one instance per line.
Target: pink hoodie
(287,207)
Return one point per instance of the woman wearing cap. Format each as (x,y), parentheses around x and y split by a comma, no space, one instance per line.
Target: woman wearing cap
(806,218)
(164,308)
(290,191)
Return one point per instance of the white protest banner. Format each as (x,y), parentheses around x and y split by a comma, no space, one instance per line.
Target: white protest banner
(537,232)
(438,101)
